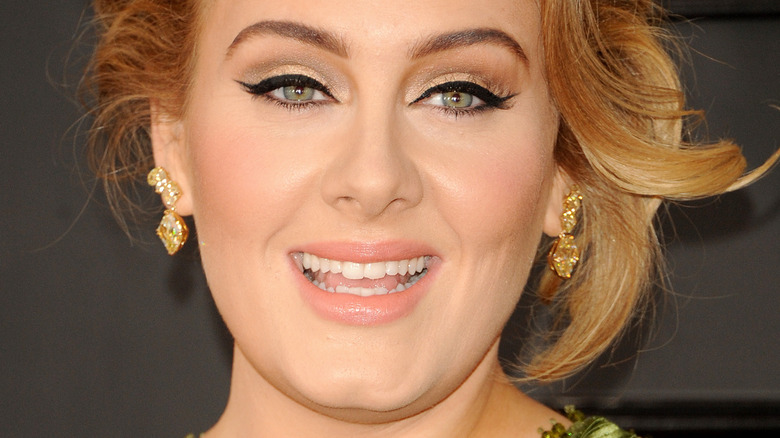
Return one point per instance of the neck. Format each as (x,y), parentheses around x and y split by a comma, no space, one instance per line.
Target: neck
(484,405)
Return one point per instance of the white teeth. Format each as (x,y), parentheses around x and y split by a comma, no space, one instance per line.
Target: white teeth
(391,268)
(375,271)
(322,286)
(350,270)
(403,267)
(357,271)
(364,291)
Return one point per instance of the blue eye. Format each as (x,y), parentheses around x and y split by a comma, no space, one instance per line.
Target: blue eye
(463,96)
(293,90)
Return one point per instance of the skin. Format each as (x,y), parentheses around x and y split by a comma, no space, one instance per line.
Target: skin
(370,163)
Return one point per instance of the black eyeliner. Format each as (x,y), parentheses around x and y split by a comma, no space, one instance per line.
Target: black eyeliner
(292,80)
(490,98)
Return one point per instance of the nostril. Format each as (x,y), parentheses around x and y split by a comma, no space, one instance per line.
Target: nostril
(369,177)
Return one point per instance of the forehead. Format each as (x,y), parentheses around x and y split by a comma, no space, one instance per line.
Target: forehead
(373,25)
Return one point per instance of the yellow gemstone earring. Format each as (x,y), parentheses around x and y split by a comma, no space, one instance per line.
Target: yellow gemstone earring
(172,229)
(564,254)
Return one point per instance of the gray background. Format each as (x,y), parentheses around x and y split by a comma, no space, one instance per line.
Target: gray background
(104,336)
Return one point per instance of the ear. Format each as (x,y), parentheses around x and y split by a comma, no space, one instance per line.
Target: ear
(558,191)
(169,149)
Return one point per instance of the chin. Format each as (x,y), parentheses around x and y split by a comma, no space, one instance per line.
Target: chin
(366,393)
(366,397)
(375,408)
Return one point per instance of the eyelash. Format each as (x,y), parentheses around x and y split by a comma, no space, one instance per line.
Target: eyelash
(489,99)
(266,86)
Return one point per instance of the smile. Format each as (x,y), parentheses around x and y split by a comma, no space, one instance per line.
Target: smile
(362,279)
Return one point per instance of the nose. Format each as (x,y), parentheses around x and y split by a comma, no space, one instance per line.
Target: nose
(372,174)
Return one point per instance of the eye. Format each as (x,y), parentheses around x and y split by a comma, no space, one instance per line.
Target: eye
(455,99)
(294,90)
(462,96)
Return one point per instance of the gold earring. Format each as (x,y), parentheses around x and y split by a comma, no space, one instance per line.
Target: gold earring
(172,229)
(564,254)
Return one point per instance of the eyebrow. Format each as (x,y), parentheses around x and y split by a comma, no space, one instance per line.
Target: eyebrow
(297,31)
(336,45)
(468,37)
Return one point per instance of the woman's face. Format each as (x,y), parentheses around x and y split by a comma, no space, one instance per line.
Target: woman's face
(357,136)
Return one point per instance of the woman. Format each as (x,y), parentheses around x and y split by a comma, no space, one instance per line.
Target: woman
(371,183)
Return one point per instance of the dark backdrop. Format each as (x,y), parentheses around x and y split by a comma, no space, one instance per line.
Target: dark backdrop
(104,336)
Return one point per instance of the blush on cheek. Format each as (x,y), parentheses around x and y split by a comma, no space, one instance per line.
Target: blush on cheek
(508,197)
(225,179)
(247,184)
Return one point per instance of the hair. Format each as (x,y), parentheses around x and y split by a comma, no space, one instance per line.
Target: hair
(612,79)
(145,54)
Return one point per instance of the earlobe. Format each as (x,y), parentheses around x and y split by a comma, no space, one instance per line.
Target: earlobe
(169,149)
(552,217)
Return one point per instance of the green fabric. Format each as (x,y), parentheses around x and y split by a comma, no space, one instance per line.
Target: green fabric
(598,427)
(585,427)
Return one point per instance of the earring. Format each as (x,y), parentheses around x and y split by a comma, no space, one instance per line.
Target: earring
(172,229)
(564,254)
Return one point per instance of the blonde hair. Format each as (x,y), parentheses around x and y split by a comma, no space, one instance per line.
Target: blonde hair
(622,110)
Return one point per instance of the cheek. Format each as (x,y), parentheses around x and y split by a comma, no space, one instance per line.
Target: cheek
(245,188)
(498,199)
(242,181)
(511,190)
(494,199)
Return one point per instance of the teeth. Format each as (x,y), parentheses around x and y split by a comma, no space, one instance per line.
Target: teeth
(357,271)
(392,269)
(420,264)
(350,270)
(366,291)
(375,270)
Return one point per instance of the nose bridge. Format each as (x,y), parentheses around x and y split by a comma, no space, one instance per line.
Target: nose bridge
(372,174)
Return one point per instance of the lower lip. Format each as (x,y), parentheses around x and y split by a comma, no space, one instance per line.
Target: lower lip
(366,311)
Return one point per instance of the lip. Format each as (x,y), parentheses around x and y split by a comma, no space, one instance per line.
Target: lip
(365,311)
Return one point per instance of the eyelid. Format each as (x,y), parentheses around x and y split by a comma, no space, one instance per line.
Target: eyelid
(285,80)
(489,99)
